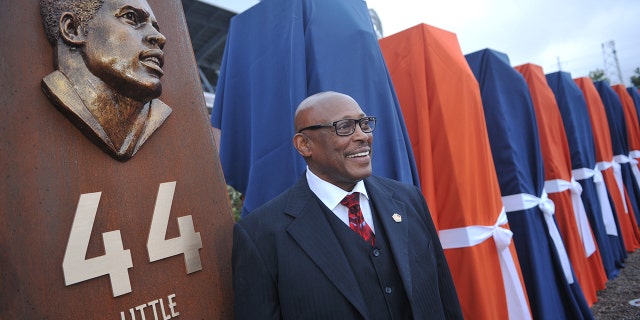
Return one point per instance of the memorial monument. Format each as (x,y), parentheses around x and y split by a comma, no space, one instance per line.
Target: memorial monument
(133,222)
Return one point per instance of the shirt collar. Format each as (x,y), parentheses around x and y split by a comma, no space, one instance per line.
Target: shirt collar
(330,194)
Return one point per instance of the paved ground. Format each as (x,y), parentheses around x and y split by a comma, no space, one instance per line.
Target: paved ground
(613,302)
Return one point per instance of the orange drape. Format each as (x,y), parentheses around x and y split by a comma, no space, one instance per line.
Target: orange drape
(442,108)
(630,116)
(557,165)
(604,152)
(633,128)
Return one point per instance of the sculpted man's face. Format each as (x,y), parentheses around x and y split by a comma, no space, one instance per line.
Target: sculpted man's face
(124,48)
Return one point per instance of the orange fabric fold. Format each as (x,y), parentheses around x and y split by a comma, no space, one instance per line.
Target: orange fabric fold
(557,166)
(633,130)
(604,153)
(630,116)
(442,108)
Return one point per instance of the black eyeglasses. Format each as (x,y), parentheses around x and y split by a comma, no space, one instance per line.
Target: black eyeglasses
(347,127)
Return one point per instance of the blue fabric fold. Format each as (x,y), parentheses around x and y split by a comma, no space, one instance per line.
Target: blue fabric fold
(619,140)
(515,145)
(281,51)
(577,124)
(635,96)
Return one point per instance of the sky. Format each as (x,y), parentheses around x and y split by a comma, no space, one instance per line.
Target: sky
(557,35)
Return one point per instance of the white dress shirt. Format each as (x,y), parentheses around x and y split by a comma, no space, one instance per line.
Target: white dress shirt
(331,196)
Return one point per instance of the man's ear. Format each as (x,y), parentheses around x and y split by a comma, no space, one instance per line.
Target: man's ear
(302,144)
(70,30)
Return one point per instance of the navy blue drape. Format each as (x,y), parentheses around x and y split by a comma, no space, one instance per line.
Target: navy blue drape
(513,136)
(635,96)
(619,140)
(281,51)
(577,124)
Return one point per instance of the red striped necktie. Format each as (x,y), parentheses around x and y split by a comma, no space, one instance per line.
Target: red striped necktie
(356,220)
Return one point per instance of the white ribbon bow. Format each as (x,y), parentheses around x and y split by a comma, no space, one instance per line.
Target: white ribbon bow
(579,212)
(523,201)
(633,155)
(470,236)
(617,172)
(603,197)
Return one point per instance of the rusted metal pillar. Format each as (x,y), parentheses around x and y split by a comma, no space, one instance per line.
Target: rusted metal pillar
(86,236)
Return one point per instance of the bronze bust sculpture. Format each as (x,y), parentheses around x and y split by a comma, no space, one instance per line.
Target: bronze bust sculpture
(108,59)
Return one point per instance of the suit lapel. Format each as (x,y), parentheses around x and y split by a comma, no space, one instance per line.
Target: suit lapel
(386,205)
(312,232)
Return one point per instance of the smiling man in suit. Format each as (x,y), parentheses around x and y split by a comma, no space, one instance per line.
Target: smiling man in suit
(341,243)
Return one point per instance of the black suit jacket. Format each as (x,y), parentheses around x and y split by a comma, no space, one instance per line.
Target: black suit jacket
(288,263)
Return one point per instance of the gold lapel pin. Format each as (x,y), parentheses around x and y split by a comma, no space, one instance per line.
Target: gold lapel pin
(396,217)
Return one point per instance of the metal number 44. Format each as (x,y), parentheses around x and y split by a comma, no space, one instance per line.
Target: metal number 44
(116,261)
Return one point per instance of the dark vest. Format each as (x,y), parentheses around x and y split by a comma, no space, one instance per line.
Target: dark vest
(374,268)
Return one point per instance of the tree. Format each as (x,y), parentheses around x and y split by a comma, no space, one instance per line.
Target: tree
(597,75)
(237,200)
(635,79)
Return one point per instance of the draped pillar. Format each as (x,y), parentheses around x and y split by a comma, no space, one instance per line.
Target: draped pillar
(577,125)
(610,169)
(633,132)
(277,53)
(442,108)
(515,146)
(562,187)
(619,141)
